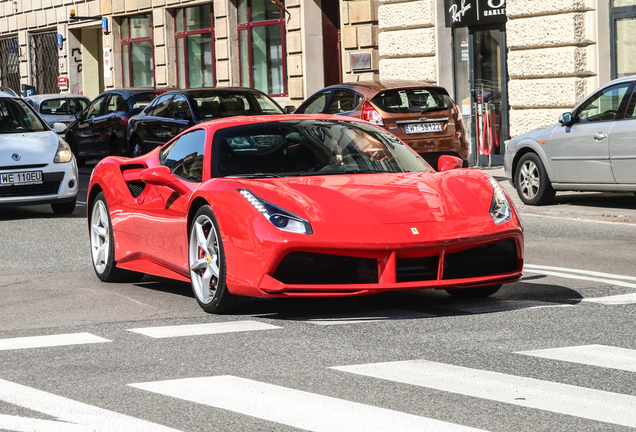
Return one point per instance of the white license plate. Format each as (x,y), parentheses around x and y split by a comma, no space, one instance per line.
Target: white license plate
(21,178)
(423,127)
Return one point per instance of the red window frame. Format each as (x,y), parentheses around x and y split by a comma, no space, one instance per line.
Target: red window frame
(184,34)
(128,42)
(249,25)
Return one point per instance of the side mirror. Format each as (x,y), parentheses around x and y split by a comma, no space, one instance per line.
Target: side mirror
(289,109)
(566,119)
(78,115)
(447,163)
(161,176)
(59,128)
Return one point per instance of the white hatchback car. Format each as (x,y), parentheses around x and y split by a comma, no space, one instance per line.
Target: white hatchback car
(36,164)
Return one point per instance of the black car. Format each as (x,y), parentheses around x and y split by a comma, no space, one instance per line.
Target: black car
(100,129)
(174,111)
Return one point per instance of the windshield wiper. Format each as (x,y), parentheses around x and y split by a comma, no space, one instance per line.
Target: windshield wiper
(430,109)
(256,175)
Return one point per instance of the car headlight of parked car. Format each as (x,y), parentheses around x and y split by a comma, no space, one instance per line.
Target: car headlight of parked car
(64,153)
(500,209)
(279,217)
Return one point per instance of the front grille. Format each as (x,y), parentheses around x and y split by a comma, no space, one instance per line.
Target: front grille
(21,167)
(136,188)
(416,269)
(496,258)
(306,268)
(47,188)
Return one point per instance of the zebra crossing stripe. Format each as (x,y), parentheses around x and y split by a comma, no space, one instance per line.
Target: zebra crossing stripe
(203,329)
(50,341)
(559,398)
(585,272)
(620,299)
(593,355)
(587,278)
(296,408)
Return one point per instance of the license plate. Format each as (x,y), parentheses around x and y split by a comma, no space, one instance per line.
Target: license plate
(21,178)
(423,127)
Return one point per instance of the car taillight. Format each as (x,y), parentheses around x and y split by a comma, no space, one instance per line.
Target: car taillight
(371,115)
(460,117)
(124,120)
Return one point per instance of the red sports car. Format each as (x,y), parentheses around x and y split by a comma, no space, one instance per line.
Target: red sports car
(300,206)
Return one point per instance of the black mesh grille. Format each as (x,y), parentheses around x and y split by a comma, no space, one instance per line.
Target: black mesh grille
(19,167)
(47,188)
(136,188)
(416,269)
(306,268)
(493,259)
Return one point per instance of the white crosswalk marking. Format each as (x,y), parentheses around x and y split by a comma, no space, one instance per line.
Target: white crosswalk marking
(203,329)
(50,341)
(566,399)
(366,317)
(71,415)
(585,272)
(295,408)
(594,355)
(620,299)
(493,305)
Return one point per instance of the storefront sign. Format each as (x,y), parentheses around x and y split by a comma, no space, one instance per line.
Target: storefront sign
(468,13)
(62,81)
(360,61)
(107,63)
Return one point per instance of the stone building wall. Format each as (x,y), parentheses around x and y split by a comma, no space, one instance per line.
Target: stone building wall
(359,35)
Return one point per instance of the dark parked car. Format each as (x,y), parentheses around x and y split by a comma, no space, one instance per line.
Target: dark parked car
(422,115)
(100,130)
(58,108)
(177,110)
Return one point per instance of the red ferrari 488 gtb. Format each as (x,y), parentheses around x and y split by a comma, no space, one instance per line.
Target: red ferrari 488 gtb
(300,206)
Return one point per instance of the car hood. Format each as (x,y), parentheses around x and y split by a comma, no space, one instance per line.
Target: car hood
(372,199)
(540,134)
(31,148)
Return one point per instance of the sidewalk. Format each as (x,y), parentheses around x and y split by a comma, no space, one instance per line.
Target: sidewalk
(596,206)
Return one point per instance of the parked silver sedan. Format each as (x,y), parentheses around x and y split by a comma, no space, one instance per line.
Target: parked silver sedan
(592,148)
(58,108)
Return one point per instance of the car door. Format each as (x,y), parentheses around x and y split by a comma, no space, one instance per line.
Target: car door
(103,123)
(155,128)
(315,104)
(580,153)
(623,143)
(179,117)
(160,214)
(83,133)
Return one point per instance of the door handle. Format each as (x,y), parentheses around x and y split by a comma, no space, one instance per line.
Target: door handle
(600,136)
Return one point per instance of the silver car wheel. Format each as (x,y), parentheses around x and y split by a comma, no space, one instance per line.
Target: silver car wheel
(529,180)
(99,236)
(204,259)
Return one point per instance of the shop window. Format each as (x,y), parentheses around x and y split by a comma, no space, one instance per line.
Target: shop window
(261,29)
(137,51)
(623,44)
(195,47)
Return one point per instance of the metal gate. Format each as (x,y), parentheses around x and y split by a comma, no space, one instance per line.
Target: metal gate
(44,62)
(10,63)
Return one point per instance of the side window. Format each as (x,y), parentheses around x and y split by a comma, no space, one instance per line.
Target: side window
(631,108)
(95,107)
(180,105)
(114,104)
(162,106)
(343,101)
(603,106)
(184,157)
(314,105)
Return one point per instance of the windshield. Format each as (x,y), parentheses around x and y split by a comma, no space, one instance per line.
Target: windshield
(417,100)
(67,106)
(310,147)
(18,117)
(220,104)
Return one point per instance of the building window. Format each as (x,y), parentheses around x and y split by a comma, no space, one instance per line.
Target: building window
(261,28)
(137,51)
(195,47)
(623,27)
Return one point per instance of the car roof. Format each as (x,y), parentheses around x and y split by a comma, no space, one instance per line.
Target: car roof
(56,96)
(6,94)
(212,90)
(381,85)
(136,90)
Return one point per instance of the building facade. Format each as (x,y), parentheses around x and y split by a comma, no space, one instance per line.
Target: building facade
(509,65)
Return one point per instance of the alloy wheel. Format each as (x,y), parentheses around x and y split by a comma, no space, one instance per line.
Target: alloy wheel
(100,227)
(204,259)
(529,180)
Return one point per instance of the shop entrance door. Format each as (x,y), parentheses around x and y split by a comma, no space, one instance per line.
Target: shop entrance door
(481,90)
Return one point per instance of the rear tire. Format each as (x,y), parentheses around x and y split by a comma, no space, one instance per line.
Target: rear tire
(478,292)
(64,208)
(532,181)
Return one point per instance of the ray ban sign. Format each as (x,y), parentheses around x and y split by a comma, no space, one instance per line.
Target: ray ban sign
(468,13)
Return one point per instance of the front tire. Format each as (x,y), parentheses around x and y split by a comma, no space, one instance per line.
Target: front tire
(478,292)
(532,182)
(103,245)
(64,208)
(206,258)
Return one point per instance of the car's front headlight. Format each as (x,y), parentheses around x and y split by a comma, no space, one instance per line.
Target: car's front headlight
(500,208)
(64,153)
(279,217)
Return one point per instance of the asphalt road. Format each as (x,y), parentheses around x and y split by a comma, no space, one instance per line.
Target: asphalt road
(554,352)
